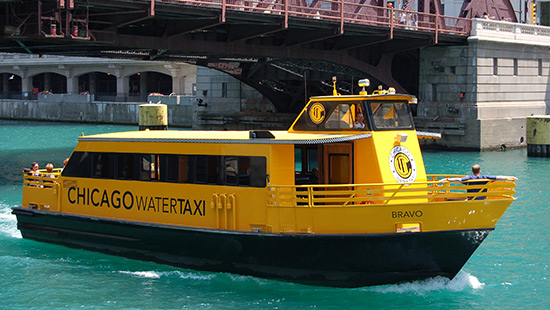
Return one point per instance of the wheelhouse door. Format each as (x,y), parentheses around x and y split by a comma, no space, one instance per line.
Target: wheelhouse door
(338,163)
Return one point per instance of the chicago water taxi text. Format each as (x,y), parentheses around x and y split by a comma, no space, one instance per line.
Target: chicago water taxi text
(128,200)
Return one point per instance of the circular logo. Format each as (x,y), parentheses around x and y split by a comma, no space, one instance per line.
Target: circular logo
(402,165)
(317,113)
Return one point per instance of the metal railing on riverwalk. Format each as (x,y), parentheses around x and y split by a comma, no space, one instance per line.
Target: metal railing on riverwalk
(344,12)
(354,195)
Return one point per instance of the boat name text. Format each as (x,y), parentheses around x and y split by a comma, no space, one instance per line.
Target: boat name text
(128,201)
(404,214)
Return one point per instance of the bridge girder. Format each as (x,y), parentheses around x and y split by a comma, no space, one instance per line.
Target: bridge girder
(284,57)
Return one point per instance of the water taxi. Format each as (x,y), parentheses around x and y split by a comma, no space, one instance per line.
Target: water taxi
(340,199)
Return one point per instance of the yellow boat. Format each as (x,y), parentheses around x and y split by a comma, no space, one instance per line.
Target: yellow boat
(340,199)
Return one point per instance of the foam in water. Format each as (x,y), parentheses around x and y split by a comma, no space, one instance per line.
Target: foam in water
(8,222)
(462,281)
(158,275)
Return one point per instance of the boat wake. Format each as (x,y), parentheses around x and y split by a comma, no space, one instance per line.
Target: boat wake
(8,222)
(159,274)
(461,282)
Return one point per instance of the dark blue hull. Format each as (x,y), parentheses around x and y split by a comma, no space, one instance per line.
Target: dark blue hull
(347,260)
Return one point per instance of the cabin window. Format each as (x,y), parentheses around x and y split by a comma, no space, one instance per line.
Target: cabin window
(298,159)
(391,115)
(312,159)
(231,175)
(207,170)
(258,171)
(201,169)
(306,163)
(169,168)
(148,167)
(124,166)
(79,165)
(340,118)
(100,165)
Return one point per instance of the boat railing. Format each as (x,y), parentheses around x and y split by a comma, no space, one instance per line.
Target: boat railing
(40,190)
(357,195)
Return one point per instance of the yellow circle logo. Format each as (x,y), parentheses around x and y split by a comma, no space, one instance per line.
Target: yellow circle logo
(403,165)
(317,113)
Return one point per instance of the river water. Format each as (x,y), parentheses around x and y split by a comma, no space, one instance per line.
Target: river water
(511,269)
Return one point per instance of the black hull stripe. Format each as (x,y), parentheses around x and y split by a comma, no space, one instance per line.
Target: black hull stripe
(333,260)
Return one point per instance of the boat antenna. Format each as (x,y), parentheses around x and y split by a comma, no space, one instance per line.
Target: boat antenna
(334,91)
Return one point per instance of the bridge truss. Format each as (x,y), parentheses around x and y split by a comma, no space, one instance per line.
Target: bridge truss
(287,49)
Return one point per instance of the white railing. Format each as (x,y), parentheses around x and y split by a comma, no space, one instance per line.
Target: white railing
(501,30)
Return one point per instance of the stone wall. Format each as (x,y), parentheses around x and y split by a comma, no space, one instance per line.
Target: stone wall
(479,95)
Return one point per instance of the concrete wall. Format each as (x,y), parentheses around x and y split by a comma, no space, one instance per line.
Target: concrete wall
(91,112)
(227,103)
(503,77)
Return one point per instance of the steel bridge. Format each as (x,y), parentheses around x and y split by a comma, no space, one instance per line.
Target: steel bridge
(286,49)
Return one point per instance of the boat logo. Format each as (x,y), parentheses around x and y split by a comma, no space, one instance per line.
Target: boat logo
(402,165)
(317,113)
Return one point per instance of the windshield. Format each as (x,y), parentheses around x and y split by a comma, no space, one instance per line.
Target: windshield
(391,115)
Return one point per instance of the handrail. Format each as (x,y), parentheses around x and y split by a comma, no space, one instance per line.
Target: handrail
(344,12)
(42,179)
(363,195)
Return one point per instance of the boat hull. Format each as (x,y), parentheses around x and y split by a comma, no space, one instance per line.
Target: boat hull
(349,260)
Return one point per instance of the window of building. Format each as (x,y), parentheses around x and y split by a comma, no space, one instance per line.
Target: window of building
(515,66)
(495,66)
(224,90)
(540,67)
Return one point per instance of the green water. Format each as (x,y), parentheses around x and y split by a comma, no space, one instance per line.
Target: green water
(509,271)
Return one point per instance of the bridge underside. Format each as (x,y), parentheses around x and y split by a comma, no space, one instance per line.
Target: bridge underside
(285,57)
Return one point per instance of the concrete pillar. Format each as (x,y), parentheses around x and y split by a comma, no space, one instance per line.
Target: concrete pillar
(26,87)
(93,83)
(5,85)
(177,85)
(122,88)
(143,87)
(538,135)
(72,85)
(47,81)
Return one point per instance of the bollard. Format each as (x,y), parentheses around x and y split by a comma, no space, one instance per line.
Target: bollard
(153,116)
(538,136)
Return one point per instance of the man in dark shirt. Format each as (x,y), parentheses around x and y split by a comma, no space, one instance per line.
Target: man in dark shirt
(476,175)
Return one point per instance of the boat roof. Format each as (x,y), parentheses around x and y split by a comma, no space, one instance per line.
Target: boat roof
(242,137)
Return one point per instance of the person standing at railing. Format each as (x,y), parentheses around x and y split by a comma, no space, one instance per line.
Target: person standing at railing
(34,169)
(476,175)
(49,174)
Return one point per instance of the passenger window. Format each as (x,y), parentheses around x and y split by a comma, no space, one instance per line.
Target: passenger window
(147,167)
(100,165)
(124,166)
(183,168)
(169,168)
(79,165)
(258,171)
(340,118)
(298,160)
(231,171)
(244,171)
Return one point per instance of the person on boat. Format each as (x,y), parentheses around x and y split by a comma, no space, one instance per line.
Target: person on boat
(35,173)
(34,169)
(359,121)
(64,164)
(476,175)
(49,174)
